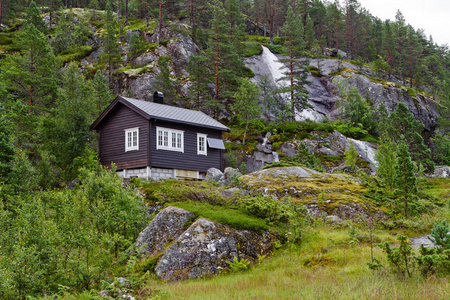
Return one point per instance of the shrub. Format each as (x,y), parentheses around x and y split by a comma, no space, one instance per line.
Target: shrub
(238,264)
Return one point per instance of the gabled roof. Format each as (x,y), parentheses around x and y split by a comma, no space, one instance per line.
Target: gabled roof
(151,110)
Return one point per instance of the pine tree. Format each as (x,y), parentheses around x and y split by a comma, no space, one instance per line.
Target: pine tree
(31,74)
(136,47)
(405,180)
(163,81)
(246,107)
(297,69)
(6,148)
(309,33)
(34,17)
(403,124)
(386,157)
(200,79)
(101,92)
(226,65)
(69,130)
(351,156)
(111,54)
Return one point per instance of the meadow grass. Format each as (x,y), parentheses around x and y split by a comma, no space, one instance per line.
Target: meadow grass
(343,274)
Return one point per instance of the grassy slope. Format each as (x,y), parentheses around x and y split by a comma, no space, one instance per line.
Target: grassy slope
(339,273)
(284,276)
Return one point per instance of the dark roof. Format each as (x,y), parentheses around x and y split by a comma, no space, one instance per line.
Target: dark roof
(151,110)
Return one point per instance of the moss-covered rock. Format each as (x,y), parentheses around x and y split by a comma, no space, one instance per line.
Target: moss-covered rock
(206,247)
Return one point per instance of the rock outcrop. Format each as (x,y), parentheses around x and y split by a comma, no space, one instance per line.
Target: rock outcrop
(201,249)
(164,229)
(205,248)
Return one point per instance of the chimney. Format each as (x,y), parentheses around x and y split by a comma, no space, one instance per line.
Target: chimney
(158,97)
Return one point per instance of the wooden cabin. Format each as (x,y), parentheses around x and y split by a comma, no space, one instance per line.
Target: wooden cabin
(153,140)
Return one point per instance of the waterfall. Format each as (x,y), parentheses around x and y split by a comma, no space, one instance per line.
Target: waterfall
(276,68)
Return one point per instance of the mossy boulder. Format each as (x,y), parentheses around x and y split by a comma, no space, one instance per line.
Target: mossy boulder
(206,247)
(167,226)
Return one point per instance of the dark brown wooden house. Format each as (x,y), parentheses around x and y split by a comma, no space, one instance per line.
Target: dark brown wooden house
(152,140)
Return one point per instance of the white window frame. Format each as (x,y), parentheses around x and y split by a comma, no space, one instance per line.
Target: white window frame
(133,146)
(205,146)
(169,139)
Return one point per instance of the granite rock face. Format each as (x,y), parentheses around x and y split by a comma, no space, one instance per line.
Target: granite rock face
(205,248)
(164,228)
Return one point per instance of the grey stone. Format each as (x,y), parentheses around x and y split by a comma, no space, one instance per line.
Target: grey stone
(289,148)
(333,219)
(441,171)
(229,175)
(350,211)
(214,174)
(123,282)
(205,248)
(163,229)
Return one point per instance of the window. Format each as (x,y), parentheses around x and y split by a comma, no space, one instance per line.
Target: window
(201,144)
(169,139)
(131,139)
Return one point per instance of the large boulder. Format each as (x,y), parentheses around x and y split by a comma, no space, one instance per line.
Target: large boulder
(205,248)
(214,174)
(441,171)
(167,226)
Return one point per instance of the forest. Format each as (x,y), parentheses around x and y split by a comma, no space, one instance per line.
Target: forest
(67,224)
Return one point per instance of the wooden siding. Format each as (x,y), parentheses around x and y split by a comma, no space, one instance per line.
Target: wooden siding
(112,139)
(189,160)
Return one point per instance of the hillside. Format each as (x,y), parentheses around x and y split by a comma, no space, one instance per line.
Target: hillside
(338,155)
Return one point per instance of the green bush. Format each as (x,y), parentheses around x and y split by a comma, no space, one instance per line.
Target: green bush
(252,48)
(267,208)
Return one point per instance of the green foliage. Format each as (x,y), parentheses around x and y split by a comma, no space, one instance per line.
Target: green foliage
(356,110)
(111,51)
(246,105)
(405,180)
(136,48)
(386,158)
(351,156)
(76,53)
(440,235)
(238,265)
(68,237)
(163,81)
(441,148)
(252,48)
(307,159)
(267,208)
(6,148)
(70,33)
(402,123)
(401,259)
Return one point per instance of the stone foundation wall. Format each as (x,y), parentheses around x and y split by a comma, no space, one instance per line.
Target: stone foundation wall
(145,173)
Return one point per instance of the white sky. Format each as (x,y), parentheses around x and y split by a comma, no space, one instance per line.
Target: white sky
(431,15)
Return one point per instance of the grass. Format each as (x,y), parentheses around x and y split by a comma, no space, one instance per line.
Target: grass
(224,215)
(343,275)
(141,24)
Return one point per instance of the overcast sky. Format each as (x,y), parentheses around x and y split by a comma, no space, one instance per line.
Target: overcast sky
(431,15)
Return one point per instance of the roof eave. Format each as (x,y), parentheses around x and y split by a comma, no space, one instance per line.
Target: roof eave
(113,104)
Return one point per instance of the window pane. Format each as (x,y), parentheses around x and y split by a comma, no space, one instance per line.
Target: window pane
(128,139)
(160,138)
(134,138)
(179,140)
(166,139)
(174,140)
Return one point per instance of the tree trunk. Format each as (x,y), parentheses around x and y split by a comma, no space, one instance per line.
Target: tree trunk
(160,21)
(1,2)
(271,20)
(126,12)
(146,11)
(118,11)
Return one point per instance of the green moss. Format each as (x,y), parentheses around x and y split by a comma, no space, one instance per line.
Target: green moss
(75,54)
(247,72)
(6,38)
(252,48)
(411,92)
(225,215)
(141,24)
(341,72)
